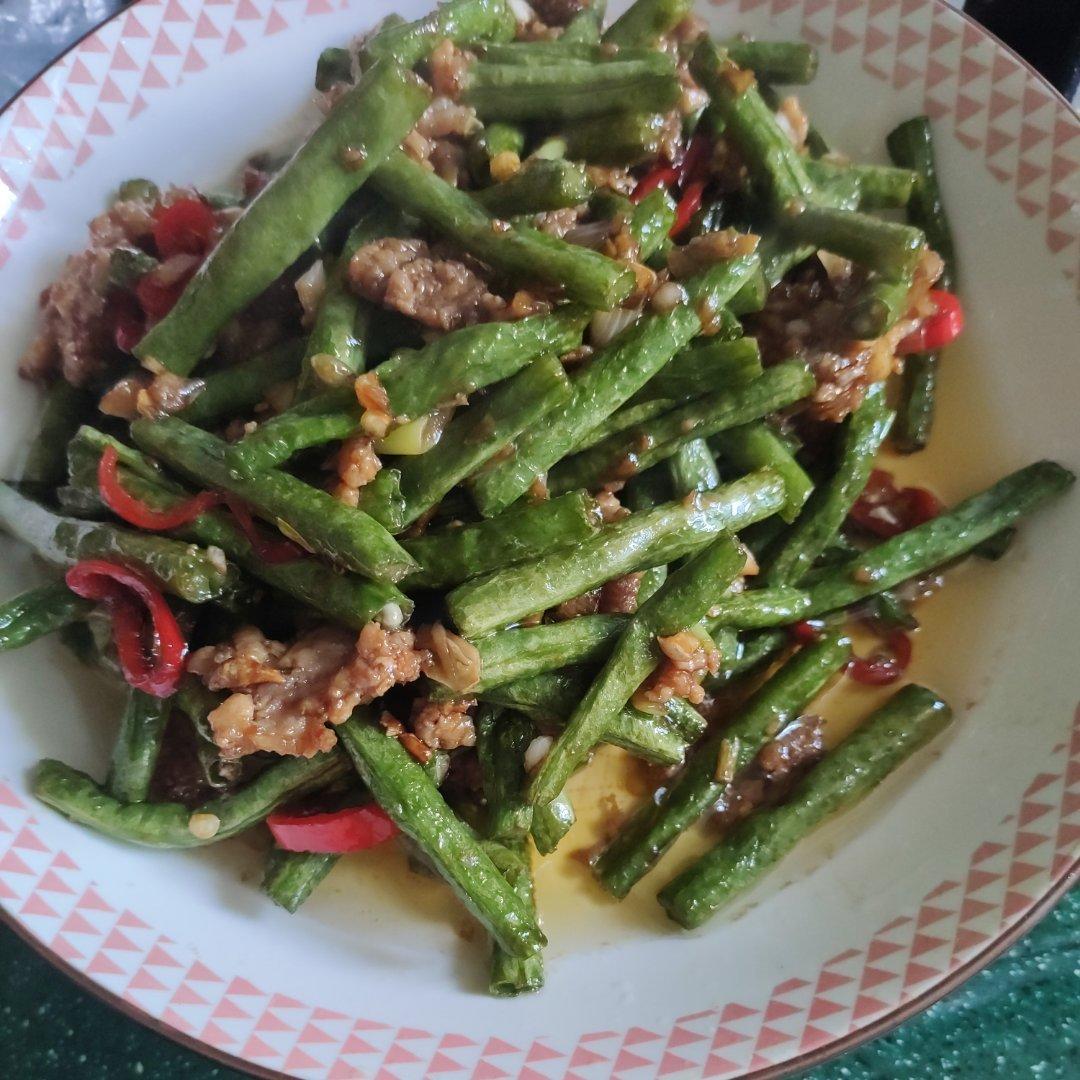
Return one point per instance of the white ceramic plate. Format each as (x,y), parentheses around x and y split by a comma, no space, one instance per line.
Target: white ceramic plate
(876,914)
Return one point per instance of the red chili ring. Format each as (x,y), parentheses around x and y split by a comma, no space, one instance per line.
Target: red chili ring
(119,588)
(881,669)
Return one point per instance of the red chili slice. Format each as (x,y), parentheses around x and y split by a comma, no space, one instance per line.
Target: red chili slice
(882,668)
(937,330)
(184,227)
(134,511)
(158,299)
(149,643)
(886,510)
(695,162)
(270,551)
(352,829)
(660,175)
(688,206)
(807,631)
(127,320)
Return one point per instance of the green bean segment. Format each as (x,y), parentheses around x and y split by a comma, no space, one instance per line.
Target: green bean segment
(169,825)
(364,127)
(341,533)
(910,719)
(40,611)
(947,537)
(404,791)
(450,556)
(702,783)
(186,571)
(518,251)
(679,604)
(645,539)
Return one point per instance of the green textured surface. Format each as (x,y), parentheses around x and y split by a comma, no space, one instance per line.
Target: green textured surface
(1015,1019)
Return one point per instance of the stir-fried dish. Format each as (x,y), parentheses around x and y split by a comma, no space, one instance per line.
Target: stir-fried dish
(532,404)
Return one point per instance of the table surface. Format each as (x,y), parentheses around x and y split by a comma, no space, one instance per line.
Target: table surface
(1016,1018)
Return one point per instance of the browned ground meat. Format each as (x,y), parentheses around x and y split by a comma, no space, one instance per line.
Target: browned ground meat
(586,604)
(444,294)
(557,12)
(447,67)
(704,251)
(618,179)
(357,465)
(610,507)
(769,778)
(559,222)
(74,336)
(620,595)
(284,696)
(444,725)
(438,138)
(151,396)
(805,317)
(686,661)
(535,29)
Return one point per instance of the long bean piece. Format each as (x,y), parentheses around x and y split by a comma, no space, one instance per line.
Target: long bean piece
(469,359)
(551,697)
(532,650)
(336,347)
(885,246)
(827,508)
(501,742)
(906,722)
(750,123)
(679,604)
(240,387)
(645,539)
(693,468)
(623,138)
(541,185)
(756,609)
(757,446)
(40,611)
(169,825)
(278,226)
(702,783)
(347,598)
(570,90)
(458,20)
(880,187)
(66,407)
(643,445)
(912,145)
(774,61)
(314,422)
(518,251)
(645,22)
(342,533)
(291,877)
(949,536)
(612,376)
(137,746)
(481,431)
(450,556)
(703,368)
(404,791)
(181,569)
